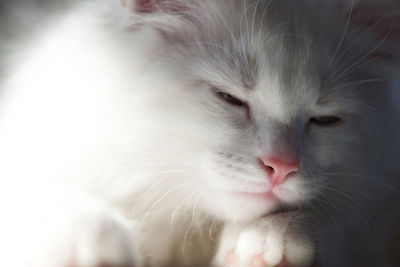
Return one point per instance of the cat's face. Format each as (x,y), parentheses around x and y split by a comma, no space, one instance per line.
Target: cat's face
(273,104)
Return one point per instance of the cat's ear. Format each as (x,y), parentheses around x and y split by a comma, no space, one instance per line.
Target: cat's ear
(155,6)
(166,16)
(378,21)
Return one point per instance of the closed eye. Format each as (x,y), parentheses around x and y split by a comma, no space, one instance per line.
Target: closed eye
(230,99)
(325,120)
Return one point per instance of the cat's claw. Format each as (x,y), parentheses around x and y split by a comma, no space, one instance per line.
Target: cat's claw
(269,242)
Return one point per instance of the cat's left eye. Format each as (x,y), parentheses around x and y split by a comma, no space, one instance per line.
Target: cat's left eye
(230,99)
(325,120)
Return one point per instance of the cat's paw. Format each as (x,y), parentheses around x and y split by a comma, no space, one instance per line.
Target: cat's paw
(103,241)
(269,242)
(94,239)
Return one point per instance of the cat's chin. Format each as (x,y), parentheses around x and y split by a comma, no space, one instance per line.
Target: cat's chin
(242,206)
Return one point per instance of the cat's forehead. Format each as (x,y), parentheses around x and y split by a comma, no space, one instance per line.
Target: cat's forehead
(244,60)
(286,90)
(279,76)
(269,40)
(269,52)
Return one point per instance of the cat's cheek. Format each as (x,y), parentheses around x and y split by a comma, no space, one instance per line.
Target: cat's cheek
(321,147)
(296,191)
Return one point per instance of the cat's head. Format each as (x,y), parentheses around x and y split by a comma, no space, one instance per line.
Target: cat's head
(271,102)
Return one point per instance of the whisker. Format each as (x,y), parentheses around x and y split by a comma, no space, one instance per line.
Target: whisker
(189,231)
(211,231)
(342,37)
(341,73)
(225,24)
(174,213)
(163,197)
(384,117)
(358,206)
(253,21)
(222,48)
(262,20)
(359,82)
(365,178)
(330,215)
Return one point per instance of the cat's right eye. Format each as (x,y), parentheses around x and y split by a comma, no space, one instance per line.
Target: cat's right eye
(325,120)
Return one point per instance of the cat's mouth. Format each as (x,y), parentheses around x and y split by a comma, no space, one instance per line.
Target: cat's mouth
(284,210)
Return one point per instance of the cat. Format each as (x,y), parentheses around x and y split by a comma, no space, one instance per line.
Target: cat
(200,133)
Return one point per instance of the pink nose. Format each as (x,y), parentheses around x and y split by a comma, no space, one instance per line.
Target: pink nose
(278,170)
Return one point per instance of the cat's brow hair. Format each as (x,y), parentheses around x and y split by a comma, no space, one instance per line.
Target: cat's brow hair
(249,71)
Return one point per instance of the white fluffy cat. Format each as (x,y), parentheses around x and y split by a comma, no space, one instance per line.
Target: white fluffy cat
(200,132)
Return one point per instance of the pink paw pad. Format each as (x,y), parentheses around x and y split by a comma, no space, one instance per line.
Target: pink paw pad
(232,260)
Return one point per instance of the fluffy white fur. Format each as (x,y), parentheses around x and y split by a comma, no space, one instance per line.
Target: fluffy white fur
(115,148)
